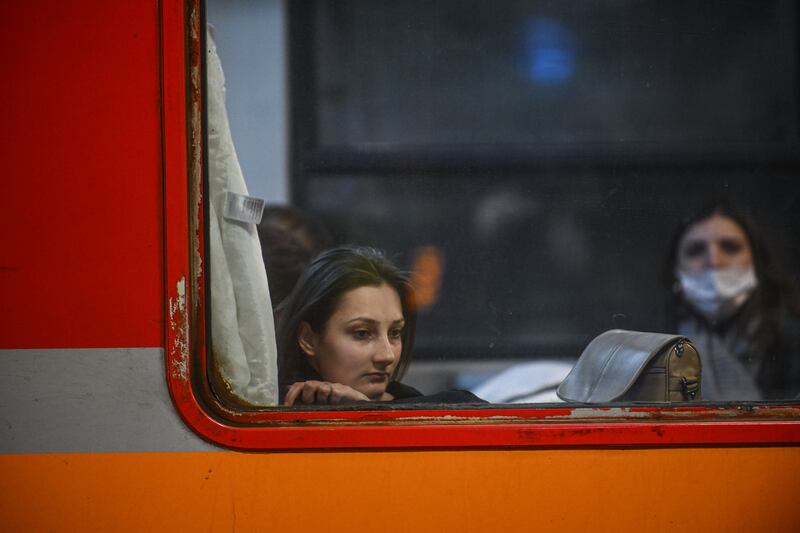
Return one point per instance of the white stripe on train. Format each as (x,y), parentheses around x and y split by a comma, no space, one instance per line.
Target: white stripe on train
(89,401)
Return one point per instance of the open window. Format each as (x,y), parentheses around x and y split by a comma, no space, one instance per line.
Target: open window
(526,161)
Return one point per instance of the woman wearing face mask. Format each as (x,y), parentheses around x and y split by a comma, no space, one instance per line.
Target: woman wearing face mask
(743,317)
(346,333)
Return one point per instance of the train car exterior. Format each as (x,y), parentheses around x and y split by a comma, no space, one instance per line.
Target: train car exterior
(103,429)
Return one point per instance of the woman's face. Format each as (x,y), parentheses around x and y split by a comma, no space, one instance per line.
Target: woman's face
(361,343)
(716,242)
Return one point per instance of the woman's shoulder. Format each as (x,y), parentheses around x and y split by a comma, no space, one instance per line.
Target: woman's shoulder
(407,394)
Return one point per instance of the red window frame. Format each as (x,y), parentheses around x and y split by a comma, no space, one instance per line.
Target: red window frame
(364,428)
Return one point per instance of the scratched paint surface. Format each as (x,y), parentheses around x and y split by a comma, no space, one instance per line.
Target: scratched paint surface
(179,329)
(667,490)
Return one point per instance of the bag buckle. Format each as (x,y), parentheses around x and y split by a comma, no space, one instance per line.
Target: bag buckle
(689,387)
(679,347)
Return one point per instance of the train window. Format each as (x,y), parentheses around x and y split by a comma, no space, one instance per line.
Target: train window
(547,152)
(545,171)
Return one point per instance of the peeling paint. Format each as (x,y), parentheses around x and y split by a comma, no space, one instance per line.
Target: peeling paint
(179,327)
(612,412)
(196,161)
(569,416)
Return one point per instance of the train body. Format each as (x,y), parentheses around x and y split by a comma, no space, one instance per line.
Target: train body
(98,433)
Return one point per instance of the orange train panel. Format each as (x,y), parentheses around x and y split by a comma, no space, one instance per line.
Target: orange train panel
(729,489)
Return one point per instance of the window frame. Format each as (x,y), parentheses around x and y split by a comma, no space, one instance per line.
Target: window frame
(378,426)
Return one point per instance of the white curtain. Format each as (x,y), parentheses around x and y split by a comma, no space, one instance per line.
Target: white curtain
(242,326)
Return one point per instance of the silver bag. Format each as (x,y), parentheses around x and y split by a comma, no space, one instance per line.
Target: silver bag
(635,366)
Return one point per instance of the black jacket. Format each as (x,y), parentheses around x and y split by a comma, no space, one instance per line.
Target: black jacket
(405,394)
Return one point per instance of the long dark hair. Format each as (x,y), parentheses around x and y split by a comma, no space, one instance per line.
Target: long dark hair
(764,317)
(773,290)
(317,294)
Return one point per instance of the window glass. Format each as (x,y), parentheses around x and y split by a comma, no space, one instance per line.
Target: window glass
(546,171)
(578,71)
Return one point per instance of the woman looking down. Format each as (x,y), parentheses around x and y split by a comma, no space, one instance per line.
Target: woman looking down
(346,333)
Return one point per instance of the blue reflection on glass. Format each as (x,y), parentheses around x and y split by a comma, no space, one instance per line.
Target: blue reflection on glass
(550,51)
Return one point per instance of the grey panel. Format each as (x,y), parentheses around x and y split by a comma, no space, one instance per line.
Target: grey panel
(89,401)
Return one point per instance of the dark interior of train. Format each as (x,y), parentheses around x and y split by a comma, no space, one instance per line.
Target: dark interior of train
(530,160)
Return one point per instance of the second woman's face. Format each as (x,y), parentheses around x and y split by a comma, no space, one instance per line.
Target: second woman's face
(361,343)
(716,242)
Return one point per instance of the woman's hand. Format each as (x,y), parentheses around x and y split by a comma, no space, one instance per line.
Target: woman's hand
(322,392)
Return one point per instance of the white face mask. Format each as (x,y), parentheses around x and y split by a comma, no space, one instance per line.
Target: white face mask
(718,293)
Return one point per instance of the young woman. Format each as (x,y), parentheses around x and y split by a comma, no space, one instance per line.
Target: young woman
(346,333)
(743,317)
